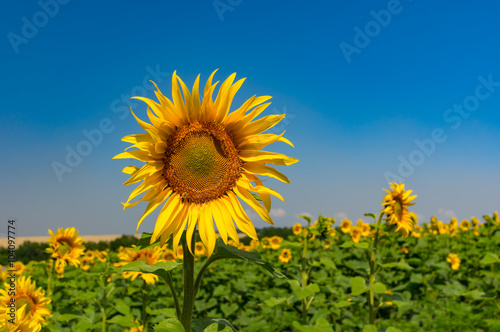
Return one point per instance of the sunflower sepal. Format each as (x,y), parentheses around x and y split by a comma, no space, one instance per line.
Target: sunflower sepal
(145,242)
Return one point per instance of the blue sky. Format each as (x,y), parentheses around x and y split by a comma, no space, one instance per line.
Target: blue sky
(360,83)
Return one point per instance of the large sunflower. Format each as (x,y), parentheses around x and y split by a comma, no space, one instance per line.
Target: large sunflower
(66,247)
(395,205)
(31,305)
(201,159)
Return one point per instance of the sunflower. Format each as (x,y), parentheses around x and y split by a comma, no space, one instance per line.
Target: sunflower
(297,229)
(285,256)
(465,225)
(168,255)
(454,261)
(149,256)
(345,226)
(254,244)
(66,247)
(275,242)
(365,228)
(395,205)
(199,249)
(31,305)
(355,234)
(200,159)
(404,250)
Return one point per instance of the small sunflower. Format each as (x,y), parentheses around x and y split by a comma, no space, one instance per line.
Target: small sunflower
(149,256)
(66,247)
(199,249)
(345,226)
(355,234)
(285,256)
(297,229)
(201,159)
(405,250)
(365,228)
(395,205)
(275,242)
(454,261)
(465,225)
(31,305)
(254,244)
(168,255)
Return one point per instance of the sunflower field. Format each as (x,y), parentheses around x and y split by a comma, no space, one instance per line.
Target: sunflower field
(442,277)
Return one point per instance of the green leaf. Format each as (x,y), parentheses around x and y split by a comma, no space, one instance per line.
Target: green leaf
(303,293)
(223,251)
(392,329)
(327,262)
(343,303)
(273,301)
(211,324)
(306,218)
(67,317)
(379,288)
(160,269)
(358,286)
(362,245)
(125,321)
(399,265)
(321,325)
(347,244)
(257,197)
(490,258)
(290,245)
(228,309)
(170,325)
(122,307)
(369,328)
(370,215)
(144,242)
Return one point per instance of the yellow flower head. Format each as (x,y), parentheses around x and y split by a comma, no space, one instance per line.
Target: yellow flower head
(332,232)
(254,244)
(355,234)
(345,226)
(30,302)
(297,229)
(66,246)
(396,204)
(148,256)
(285,256)
(199,249)
(405,250)
(275,242)
(365,228)
(416,234)
(474,221)
(201,159)
(496,220)
(168,255)
(453,223)
(465,225)
(442,228)
(454,261)
(180,252)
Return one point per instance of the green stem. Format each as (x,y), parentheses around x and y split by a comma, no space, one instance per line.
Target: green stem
(49,278)
(373,273)
(144,314)
(174,294)
(103,306)
(189,290)
(304,278)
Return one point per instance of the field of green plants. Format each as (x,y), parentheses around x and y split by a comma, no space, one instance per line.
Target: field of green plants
(320,277)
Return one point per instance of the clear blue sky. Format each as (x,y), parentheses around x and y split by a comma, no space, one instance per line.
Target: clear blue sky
(360,83)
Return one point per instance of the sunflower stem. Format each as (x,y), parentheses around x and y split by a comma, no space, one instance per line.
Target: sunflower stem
(49,278)
(304,278)
(373,273)
(189,290)
(144,314)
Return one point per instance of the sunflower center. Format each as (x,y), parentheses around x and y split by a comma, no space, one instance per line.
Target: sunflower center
(201,162)
(25,301)
(64,247)
(398,209)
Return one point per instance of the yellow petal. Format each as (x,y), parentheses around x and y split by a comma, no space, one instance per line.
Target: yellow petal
(239,215)
(248,198)
(266,157)
(259,169)
(206,228)
(259,125)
